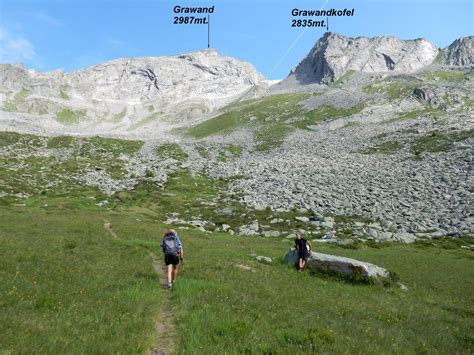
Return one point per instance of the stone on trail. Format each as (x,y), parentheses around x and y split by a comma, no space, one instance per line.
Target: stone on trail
(271,234)
(244,267)
(338,265)
(402,286)
(264,259)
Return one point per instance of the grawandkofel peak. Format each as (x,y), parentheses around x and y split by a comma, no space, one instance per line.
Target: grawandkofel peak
(334,54)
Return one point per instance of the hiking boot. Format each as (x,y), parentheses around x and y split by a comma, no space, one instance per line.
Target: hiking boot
(168,286)
(300,270)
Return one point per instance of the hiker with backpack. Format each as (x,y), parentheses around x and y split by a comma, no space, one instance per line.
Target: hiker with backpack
(303,247)
(173,250)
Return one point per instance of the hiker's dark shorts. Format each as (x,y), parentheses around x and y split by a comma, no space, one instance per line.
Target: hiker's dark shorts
(303,256)
(171,259)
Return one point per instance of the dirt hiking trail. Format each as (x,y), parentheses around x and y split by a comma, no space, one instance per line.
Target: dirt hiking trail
(164,325)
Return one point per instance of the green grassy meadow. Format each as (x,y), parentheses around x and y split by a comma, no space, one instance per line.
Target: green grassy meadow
(272,309)
(67,285)
(66,289)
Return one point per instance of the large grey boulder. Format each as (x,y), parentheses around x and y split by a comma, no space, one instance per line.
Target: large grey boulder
(334,55)
(338,265)
(291,257)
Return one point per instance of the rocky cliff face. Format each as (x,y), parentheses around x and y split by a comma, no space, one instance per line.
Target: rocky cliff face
(334,55)
(204,74)
(128,90)
(460,52)
(13,76)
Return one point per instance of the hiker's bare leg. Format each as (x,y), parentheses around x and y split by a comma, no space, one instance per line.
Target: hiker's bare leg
(175,272)
(169,270)
(302,262)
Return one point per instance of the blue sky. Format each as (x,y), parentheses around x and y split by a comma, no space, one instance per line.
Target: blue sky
(72,34)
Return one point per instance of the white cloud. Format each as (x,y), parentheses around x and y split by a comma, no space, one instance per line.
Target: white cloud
(47,19)
(14,48)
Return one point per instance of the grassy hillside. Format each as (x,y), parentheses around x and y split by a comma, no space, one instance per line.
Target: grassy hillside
(223,306)
(65,287)
(69,286)
(271,118)
(250,112)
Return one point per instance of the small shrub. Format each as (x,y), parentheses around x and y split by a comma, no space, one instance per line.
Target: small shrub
(171,150)
(70,117)
(149,173)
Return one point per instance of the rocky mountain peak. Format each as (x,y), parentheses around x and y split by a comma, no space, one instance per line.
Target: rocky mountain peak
(460,52)
(195,55)
(334,54)
(202,74)
(131,92)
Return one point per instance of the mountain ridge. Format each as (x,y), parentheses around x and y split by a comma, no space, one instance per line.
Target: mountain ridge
(388,146)
(130,90)
(150,94)
(333,55)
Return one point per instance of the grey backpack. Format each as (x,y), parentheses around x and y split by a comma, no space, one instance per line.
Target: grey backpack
(170,244)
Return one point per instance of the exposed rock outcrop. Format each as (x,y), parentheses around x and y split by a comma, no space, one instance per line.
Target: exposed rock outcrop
(127,93)
(425,94)
(13,76)
(203,74)
(334,55)
(460,52)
